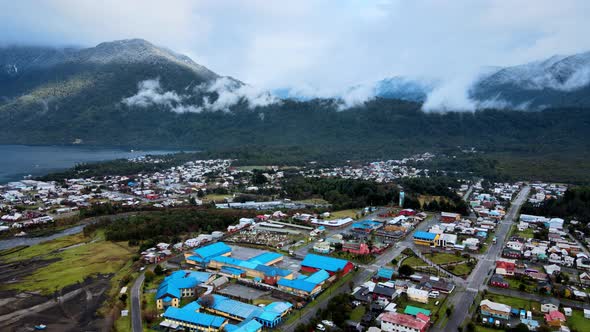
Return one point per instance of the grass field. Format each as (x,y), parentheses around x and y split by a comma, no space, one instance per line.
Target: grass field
(462,270)
(313,201)
(343,214)
(577,322)
(79,258)
(514,302)
(215,197)
(44,248)
(414,261)
(444,258)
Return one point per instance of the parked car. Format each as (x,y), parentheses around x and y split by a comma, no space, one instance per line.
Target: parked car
(433,294)
(320,327)
(328,323)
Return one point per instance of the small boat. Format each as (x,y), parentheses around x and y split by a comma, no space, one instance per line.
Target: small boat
(40,327)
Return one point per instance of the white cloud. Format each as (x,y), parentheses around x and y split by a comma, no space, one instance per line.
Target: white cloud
(150,93)
(229,93)
(327,44)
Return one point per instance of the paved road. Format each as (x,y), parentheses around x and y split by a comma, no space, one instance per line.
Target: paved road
(463,298)
(136,324)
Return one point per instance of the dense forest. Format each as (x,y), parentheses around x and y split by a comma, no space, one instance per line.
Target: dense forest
(166,226)
(349,193)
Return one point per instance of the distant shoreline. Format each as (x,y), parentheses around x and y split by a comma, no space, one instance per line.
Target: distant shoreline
(20,160)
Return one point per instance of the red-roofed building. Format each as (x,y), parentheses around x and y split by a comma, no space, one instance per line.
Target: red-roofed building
(407,212)
(555,318)
(505,267)
(396,322)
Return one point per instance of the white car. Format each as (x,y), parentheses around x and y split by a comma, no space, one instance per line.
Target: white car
(328,323)
(320,327)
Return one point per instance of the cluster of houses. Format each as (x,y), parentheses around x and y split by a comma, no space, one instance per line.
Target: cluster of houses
(502,315)
(557,248)
(383,295)
(368,236)
(453,232)
(378,171)
(544,191)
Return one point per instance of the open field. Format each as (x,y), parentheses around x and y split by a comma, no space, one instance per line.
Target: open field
(216,197)
(514,302)
(42,249)
(343,214)
(313,201)
(75,260)
(444,258)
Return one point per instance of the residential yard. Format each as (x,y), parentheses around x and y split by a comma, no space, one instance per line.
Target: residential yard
(357,313)
(515,284)
(479,328)
(437,312)
(514,302)
(577,322)
(77,258)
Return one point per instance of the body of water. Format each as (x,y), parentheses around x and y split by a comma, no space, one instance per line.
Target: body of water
(17,161)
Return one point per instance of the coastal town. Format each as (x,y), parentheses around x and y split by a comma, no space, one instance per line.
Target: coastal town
(393,268)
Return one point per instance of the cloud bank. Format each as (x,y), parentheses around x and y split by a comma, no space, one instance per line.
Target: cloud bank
(332,45)
(218,95)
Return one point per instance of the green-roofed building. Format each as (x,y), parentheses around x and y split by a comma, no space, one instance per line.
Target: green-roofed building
(414,311)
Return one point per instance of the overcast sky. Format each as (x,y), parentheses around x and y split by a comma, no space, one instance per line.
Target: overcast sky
(322,44)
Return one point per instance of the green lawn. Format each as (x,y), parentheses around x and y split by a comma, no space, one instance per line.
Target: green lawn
(577,322)
(357,313)
(343,214)
(444,258)
(216,197)
(90,257)
(527,233)
(515,284)
(461,269)
(414,261)
(479,328)
(514,302)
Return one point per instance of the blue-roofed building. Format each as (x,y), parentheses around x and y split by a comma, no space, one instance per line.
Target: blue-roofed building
(249,326)
(313,263)
(190,318)
(267,258)
(385,274)
(256,267)
(269,316)
(182,283)
(203,255)
(425,238)
(305,286)
(366,226)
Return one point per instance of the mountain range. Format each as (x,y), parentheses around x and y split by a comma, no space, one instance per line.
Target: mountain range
(132,93)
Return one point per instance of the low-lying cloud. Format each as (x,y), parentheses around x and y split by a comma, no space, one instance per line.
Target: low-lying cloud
(149,92)
(218,95)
